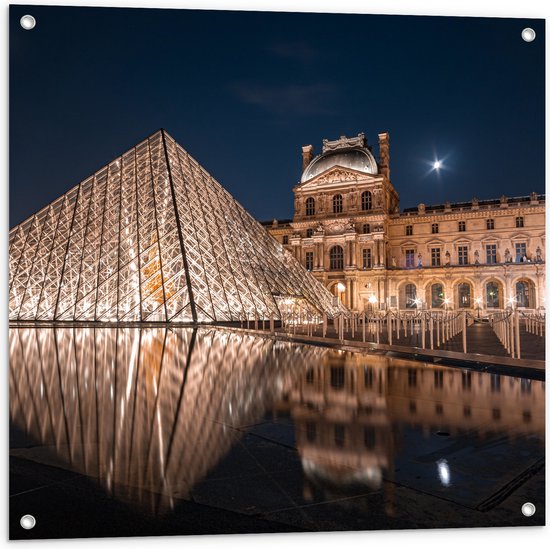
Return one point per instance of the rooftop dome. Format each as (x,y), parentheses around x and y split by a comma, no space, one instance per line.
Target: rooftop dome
(357,159)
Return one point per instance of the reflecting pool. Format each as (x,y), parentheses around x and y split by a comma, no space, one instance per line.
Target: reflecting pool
(140,431)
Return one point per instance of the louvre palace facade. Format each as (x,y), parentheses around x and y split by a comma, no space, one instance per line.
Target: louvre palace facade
(349,231)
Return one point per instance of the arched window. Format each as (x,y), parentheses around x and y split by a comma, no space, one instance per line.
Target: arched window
(437,296)
(524,294)
(336,258)
(310,206)
(464,295)
(410,296)
(337,204)
(366,228)
(492,295)
(366,200)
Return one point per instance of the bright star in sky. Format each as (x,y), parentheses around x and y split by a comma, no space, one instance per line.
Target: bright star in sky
(437,165)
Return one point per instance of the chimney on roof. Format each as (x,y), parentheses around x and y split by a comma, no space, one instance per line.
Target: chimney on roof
(307,156)
(384,145)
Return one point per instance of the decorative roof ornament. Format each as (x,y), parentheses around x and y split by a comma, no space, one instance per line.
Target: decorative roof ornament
(344,143)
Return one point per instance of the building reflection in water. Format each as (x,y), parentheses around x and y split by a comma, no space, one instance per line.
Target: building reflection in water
(150,411)
(351,413)
(146,411)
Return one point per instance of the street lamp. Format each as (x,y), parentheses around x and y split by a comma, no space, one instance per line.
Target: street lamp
(446,301)
(341,289)
(478,303)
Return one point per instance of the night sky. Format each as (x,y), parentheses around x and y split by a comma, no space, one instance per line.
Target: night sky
(243,91)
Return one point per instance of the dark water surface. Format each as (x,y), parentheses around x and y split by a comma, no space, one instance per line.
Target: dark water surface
(150,431)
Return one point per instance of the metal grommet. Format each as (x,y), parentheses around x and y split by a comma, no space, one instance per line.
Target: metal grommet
(528,34)
(27,522)
(528,509)
(28,22)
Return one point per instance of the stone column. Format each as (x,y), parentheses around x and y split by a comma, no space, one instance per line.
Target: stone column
(384,144)
(307,156)
(348,293)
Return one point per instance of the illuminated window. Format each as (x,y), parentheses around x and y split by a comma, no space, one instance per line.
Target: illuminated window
(367,258)
(336,258)
(463,255)
(521,251)
(493,295)
(436,257)
(491,250)
(410,296)
(310,206)
(437,296)
(366,200)
(337,203)
(523,297)
(464,295)
(409,258)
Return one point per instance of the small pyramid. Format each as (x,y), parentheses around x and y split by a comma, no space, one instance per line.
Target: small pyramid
(152,237)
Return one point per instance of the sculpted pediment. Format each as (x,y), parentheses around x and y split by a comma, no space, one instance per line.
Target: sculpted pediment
(335,174)
(337,226)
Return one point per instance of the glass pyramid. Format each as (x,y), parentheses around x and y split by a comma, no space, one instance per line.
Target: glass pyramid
(152,237)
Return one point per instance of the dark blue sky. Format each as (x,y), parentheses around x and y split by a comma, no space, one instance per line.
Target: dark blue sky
(243,91)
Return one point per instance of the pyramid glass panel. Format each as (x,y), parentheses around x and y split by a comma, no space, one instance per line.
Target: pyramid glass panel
(153,236)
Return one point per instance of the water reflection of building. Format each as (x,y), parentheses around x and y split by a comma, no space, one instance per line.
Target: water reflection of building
(349,413)
(148,412)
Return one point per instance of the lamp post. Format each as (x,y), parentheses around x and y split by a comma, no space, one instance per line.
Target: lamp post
(341,289)
(372,301)
(478,303)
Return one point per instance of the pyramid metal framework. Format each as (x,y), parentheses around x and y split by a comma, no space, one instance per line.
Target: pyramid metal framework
(152,237)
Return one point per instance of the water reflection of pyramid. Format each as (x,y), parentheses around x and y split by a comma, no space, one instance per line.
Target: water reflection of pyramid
(151,237)
(144,410)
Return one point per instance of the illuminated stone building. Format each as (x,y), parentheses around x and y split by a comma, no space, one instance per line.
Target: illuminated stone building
(349,231)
